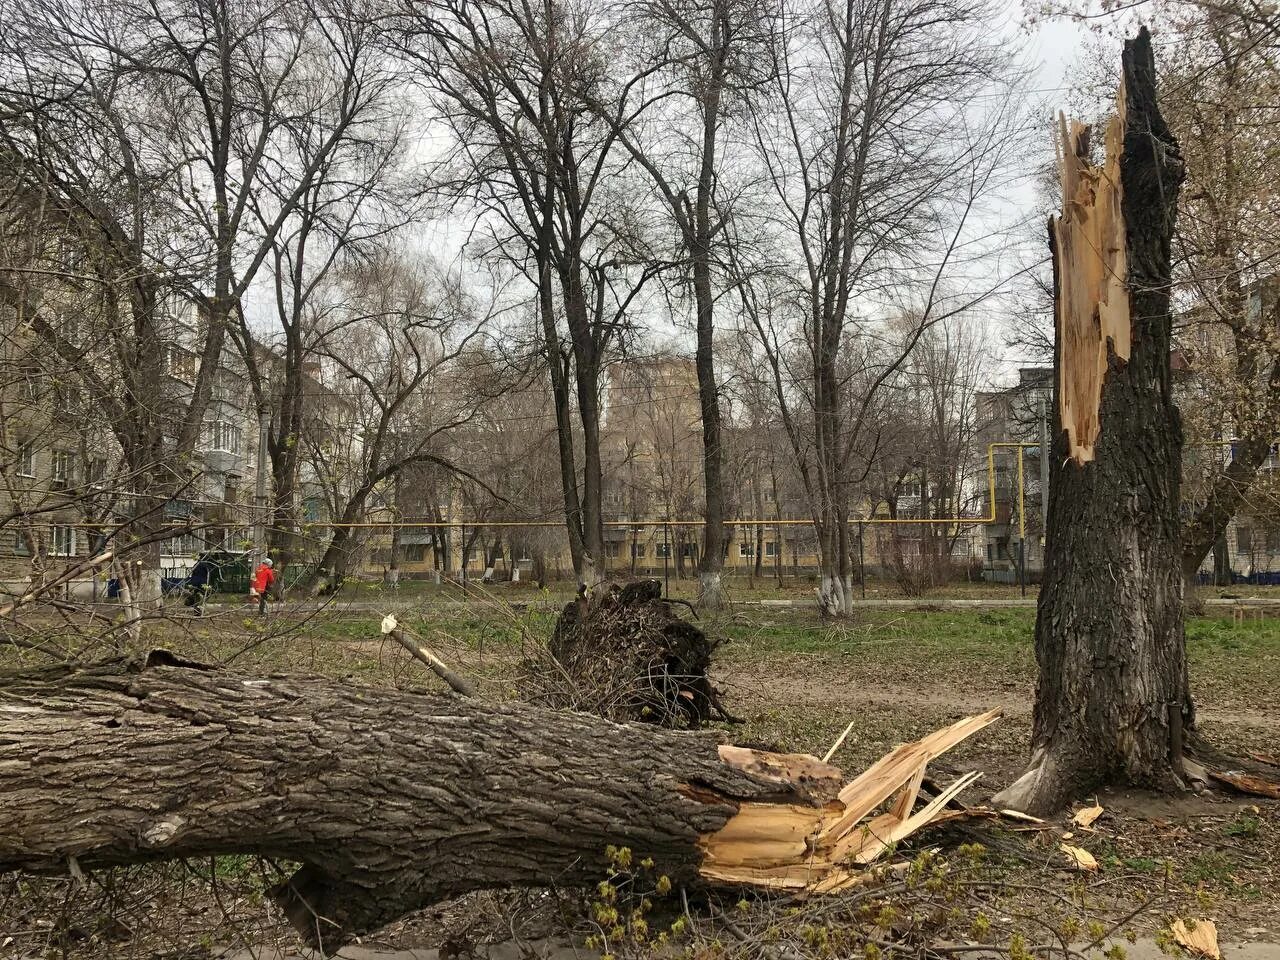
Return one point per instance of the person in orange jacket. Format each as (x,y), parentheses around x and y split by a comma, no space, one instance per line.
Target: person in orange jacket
(263,579)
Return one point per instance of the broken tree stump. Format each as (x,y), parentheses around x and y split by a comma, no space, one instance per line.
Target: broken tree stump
(393,800)
(1109,627)
(625,654)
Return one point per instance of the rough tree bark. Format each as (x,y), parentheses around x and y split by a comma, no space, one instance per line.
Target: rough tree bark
(393,800)
(1111,700)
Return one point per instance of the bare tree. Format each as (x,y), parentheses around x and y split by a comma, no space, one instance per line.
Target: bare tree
(1112,700)
(1216,97)
(69,136)
(514,84)
(391,349)
(698,66)
(928,470)
(353,121)
(877,184)
(170,137)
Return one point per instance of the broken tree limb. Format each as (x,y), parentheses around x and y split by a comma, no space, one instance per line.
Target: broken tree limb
(437,666)
(42,589)
(393,800)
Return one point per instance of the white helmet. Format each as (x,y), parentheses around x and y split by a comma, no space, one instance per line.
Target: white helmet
(269,562)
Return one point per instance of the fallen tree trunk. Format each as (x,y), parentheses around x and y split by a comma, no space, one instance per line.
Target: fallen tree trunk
(392,800)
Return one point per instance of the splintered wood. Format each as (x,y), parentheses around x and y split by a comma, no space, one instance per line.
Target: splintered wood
(1092,305)
(820,848)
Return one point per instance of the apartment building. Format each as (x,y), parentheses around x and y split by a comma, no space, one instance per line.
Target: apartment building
(63,485)
(56,463)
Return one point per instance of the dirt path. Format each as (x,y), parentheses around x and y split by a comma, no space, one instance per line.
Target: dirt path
(837,681)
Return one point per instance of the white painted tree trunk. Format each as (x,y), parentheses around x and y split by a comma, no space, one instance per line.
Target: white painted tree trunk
(831,599)
(132,612)
(710,590)
(591,574)
(146,589)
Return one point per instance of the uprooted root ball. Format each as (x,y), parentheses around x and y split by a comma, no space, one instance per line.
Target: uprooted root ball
(624,653)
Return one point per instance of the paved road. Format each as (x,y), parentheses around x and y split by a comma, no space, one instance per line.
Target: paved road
(393,605)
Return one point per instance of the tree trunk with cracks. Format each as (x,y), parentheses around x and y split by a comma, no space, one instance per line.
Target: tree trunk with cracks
(1111,701)
(390,800)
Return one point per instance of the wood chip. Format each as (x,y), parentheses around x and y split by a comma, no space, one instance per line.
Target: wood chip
(1086,817)
(839,740)
(1198,936)
(1247,783)
(1020,816)
(1079,856)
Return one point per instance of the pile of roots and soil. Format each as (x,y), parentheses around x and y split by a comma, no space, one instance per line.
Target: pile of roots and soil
(625,653)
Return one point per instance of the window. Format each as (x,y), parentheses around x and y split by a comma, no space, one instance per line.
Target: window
(26,463)
(67,323)
(29,384)
(637,551)
(613,549)
(62,541)
(70,255)
(770,549)
(177,509)
(64,469)
(689,550)
(20,545)
(662,550)
(223,436)
(746,549)
(227,386)
(231,492)
(69,397)
(184,545)
(179,363)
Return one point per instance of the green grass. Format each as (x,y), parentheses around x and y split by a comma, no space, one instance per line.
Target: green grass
(1207,636)
(1210,868)
(1250,650)
(967,634)
(980,634)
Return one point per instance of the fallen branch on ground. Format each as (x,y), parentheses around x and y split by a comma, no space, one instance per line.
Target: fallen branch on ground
(437,666)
